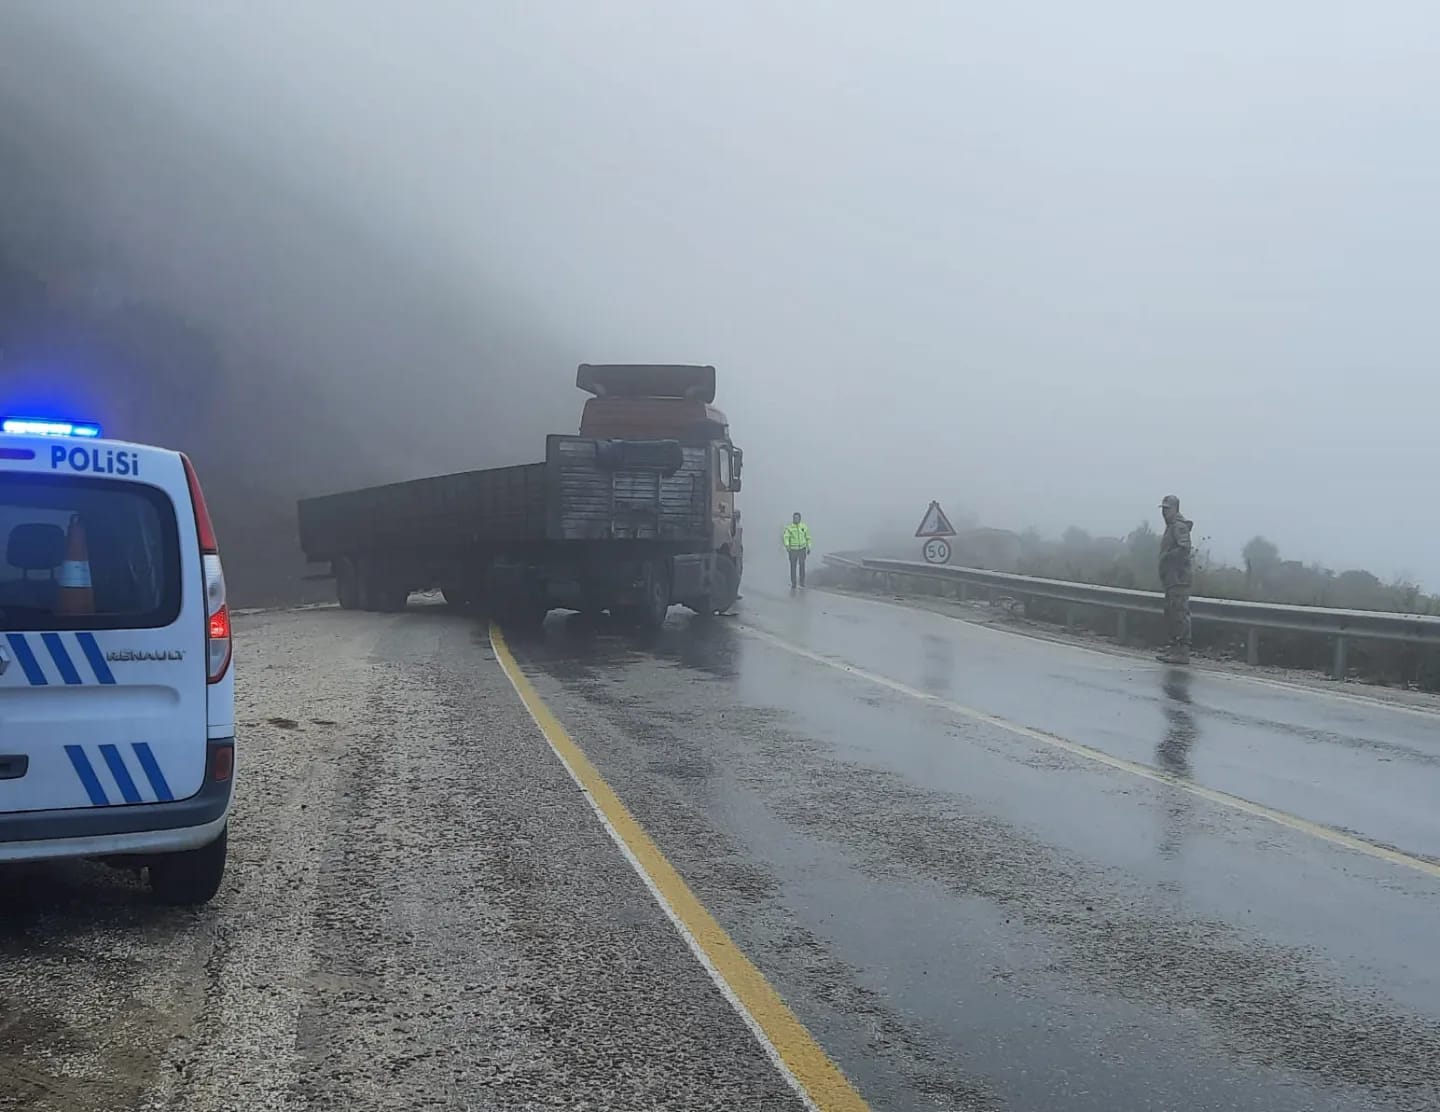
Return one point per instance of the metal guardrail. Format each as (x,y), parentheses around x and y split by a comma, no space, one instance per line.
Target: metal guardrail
(1252,616)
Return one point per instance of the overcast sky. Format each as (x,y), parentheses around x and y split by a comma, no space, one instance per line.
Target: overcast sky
(1046,260)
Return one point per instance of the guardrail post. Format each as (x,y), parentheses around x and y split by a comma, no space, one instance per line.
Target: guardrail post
(1069,617)
(1338,672)
(1252,645)
(1122,626)
(962,591)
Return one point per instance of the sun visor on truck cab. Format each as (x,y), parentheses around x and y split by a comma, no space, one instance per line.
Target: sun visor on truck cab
(647,380)
(664,456)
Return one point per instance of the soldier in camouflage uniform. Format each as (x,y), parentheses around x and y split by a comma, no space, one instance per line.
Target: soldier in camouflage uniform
(1176,576)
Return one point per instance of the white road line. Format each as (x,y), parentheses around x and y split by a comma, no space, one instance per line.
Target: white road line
(1145,772)
(1040,638)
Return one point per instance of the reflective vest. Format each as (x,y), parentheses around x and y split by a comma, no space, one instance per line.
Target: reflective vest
(797,536)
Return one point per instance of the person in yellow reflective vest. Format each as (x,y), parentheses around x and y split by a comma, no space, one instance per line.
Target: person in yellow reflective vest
(797,544)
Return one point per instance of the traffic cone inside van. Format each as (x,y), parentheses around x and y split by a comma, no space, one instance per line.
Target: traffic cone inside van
(75,595)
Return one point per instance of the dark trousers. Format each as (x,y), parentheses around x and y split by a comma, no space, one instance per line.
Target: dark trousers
(797,566)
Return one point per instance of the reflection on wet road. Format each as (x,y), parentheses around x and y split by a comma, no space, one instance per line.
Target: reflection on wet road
(967,915)
(1173,754)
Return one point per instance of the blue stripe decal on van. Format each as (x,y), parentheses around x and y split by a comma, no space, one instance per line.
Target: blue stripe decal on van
(33,671)
(87,775)
(95,657)
(152,771)
(61,656)
(121,773)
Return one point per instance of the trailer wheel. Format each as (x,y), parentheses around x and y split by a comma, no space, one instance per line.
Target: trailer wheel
(347,585)
(378,594)
(367,588)
(390,599)
(523,616)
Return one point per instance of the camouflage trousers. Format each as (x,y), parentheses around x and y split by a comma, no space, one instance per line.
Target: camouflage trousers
(1177,616)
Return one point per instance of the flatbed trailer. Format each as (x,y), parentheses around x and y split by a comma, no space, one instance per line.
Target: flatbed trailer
(629,524)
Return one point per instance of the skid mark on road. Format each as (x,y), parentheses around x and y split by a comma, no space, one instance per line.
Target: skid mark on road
(1145,772)
(817,1080)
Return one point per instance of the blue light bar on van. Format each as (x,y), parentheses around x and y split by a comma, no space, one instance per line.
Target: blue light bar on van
(42,426)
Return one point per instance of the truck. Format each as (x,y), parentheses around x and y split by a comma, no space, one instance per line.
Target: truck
(634,514)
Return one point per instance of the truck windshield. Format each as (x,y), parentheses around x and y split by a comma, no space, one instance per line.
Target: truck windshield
(62,535)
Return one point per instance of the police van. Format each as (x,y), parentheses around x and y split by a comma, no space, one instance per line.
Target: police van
(117,698)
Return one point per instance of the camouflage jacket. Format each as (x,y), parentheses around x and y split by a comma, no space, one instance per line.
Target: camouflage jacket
(1176,563)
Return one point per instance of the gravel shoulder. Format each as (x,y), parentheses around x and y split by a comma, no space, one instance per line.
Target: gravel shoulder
(421,911)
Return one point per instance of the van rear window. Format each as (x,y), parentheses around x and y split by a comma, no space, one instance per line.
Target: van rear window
(86,554)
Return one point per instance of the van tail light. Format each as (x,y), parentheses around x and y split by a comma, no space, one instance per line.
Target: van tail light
(217,613)
(222,762)
(217,626)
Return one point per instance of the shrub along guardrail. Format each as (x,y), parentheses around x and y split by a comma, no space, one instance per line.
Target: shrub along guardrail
(1341,626)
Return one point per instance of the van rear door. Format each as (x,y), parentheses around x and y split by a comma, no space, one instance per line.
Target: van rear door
(102,628)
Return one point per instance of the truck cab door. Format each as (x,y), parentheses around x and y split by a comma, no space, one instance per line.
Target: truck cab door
(727,481)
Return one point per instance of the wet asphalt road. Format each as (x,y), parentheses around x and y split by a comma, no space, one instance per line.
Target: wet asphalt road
(969,917)
(422,910)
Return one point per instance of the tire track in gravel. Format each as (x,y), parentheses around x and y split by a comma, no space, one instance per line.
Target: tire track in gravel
(305,706)
(101,990)
(480,942)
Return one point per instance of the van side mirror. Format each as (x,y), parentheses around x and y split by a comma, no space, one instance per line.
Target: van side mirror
(737,465)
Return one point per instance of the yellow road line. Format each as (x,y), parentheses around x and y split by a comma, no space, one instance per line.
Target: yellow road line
(792,1048)
(1099,756)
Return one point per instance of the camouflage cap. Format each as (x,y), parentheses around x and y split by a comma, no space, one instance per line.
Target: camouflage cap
(1170,502)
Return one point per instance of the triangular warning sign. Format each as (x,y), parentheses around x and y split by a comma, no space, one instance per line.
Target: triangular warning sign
(935,523)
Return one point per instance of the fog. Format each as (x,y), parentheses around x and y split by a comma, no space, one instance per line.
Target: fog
(1044,262)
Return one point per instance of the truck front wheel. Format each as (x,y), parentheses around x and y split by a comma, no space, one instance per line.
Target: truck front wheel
(650,613)
(727,583)
(723,591)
